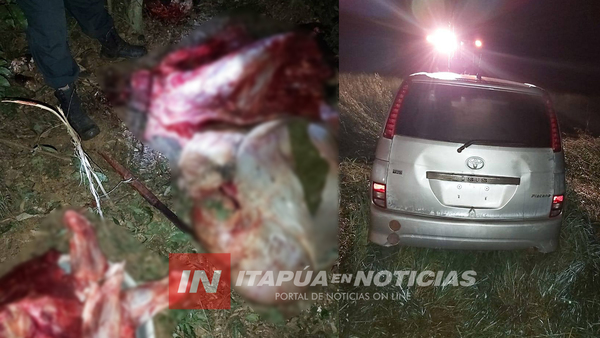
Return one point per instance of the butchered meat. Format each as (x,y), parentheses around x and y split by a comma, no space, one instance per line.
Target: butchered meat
(39,299)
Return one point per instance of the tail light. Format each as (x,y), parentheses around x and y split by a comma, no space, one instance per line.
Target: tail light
(557,205)
(390,124)
(379,194)
(554,130)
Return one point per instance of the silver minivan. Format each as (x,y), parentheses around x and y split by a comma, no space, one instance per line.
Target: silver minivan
(468,162)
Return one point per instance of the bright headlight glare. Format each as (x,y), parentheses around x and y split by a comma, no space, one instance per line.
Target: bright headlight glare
(443,40)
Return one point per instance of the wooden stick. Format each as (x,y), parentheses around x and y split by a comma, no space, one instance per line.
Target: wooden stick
(148,195)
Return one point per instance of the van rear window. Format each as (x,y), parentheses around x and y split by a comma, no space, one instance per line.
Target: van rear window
(460,114)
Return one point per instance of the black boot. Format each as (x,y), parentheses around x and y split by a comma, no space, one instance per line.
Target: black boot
(113,47)
(71,106)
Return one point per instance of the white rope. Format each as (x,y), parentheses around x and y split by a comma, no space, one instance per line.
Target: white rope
(85,167)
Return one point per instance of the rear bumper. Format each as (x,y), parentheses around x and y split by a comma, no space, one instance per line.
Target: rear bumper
(451,233)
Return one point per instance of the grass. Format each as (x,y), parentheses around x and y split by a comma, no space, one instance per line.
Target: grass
(5,202)
(578,112)
(517,293)
(582,154)
(364,101)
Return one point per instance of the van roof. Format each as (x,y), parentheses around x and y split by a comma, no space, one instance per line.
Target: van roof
(487,82)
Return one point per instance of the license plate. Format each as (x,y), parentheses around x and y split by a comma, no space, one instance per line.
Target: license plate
(432,175)
(474,179)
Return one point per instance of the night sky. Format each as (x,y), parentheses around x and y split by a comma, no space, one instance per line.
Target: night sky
(551,43)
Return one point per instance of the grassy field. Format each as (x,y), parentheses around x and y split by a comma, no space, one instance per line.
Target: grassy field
(517,293)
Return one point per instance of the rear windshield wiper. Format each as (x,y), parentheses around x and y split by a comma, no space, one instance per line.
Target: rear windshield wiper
(487,142)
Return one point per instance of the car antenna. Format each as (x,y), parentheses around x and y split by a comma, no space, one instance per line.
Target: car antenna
(479,68)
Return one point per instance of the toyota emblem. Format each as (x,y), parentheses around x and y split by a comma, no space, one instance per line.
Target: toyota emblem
(475,162)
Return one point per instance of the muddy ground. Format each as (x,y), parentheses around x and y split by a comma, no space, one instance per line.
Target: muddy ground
(39,179)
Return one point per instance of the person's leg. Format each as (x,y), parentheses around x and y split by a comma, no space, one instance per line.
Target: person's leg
(95,21)
(92,16)
(47,39)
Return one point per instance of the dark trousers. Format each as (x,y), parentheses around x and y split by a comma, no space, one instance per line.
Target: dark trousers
(47,34)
